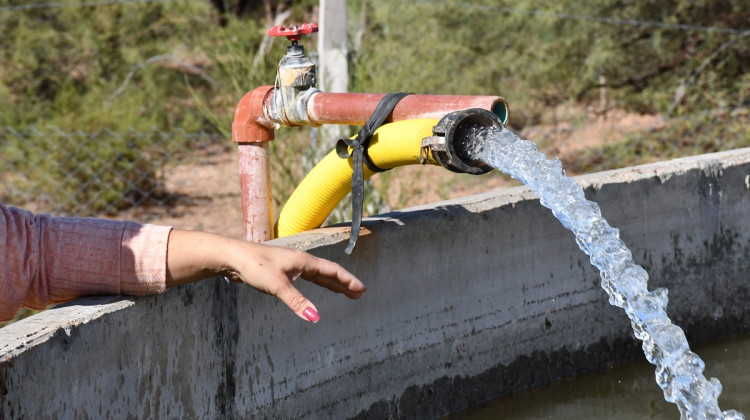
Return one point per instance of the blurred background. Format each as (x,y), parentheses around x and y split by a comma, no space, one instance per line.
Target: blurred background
(123,108)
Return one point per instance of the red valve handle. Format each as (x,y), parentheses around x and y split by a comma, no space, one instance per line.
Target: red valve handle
(293,32)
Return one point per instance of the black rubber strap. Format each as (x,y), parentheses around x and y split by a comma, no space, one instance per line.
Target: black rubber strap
(359,157)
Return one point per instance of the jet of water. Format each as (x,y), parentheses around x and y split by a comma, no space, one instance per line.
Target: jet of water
(679,371)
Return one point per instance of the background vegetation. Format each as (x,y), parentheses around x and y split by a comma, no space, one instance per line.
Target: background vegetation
(687,61)
(168,73)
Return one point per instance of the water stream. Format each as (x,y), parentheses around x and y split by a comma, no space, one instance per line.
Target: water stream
(679,371)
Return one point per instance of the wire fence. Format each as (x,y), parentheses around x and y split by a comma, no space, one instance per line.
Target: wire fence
(186,180)
(100,173)
(111,173)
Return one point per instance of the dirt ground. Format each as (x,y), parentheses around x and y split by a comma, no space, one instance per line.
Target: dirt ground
(209,194)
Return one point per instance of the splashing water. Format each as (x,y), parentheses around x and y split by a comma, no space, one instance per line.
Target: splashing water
(679,371)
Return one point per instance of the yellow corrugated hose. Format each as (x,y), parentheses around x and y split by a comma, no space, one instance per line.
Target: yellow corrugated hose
(392,145)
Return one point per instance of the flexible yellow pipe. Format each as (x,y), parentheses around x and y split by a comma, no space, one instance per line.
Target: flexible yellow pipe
(392,145)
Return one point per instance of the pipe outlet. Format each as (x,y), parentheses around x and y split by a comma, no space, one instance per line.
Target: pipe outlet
(454,135)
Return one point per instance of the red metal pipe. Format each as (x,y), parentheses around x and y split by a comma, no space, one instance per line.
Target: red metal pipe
(356,108)
(252,132)
(250,123)
(255,187)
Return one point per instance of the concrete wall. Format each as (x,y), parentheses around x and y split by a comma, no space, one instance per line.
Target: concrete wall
(467,300)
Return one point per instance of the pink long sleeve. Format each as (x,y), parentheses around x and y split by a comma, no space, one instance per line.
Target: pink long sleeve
(48,260)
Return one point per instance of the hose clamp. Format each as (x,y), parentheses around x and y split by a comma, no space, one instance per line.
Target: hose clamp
(429,145)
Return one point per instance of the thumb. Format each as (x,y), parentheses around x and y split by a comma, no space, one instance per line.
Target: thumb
(298,303)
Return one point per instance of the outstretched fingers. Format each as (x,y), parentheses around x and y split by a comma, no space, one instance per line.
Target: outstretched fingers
(282,266)
(332,276)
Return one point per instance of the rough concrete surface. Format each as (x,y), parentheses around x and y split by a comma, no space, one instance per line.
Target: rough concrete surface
(467,300)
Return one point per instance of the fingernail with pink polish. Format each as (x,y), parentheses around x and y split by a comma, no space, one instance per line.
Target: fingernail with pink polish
(311,315)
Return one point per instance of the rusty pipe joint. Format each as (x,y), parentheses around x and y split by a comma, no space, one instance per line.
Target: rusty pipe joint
(453,138)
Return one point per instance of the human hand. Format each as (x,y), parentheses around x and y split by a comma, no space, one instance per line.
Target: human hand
(195,255)
(273,270)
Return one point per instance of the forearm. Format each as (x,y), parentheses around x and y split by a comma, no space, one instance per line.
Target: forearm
(195,255)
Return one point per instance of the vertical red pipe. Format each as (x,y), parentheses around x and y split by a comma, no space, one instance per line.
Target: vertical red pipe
(255,185)
(252,132)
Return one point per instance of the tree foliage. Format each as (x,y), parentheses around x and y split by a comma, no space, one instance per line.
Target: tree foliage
(540,54)
(140,67)
(62,66)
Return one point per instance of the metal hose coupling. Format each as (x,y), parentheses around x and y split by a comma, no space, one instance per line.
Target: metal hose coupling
(453,136)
